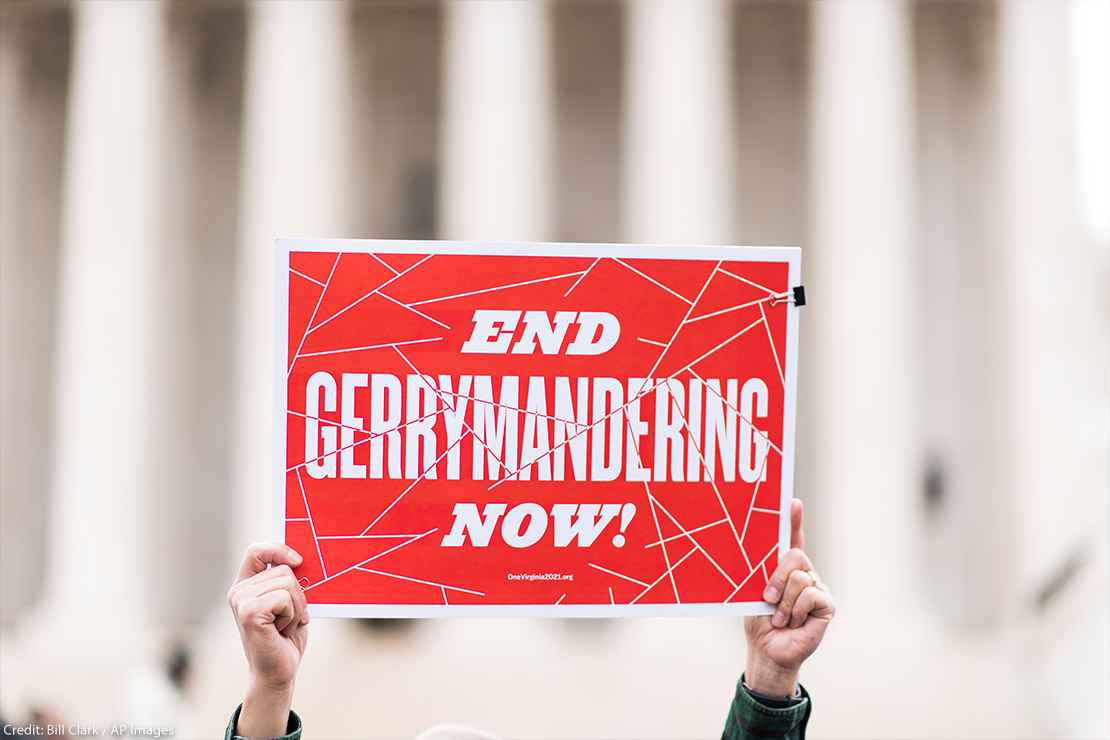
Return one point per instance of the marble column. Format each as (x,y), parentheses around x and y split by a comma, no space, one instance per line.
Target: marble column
(1057,389)
(960,311)
(496,135)
(94,623)
(34,73)
(859,268)
(679,154)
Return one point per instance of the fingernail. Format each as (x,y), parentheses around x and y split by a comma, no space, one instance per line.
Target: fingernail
(296,556)
(771,594)
(779,619)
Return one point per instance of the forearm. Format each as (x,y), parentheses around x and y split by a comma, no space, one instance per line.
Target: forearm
(769,679)
(265,712)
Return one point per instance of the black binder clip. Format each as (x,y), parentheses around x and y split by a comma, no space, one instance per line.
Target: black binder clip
(796,295)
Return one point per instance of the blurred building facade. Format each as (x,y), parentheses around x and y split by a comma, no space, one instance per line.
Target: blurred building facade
(954,415)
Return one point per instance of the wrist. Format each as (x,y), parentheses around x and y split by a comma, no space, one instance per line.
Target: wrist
(266,708)
(771,680)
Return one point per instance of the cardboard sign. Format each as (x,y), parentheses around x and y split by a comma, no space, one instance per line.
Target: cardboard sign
(541,429)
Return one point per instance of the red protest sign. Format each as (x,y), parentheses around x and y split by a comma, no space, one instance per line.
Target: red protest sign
(534,428)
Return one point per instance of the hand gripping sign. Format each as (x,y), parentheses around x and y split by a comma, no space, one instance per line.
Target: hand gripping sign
(559,429)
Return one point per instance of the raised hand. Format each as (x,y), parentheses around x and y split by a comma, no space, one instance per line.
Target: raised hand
(780,643)
(272,615)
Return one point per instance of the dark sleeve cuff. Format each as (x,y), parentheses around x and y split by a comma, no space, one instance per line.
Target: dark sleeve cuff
(292,728)
(751,718)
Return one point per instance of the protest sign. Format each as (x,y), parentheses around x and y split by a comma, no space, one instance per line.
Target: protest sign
(540,429)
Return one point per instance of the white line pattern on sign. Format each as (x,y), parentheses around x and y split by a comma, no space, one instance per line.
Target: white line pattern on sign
(653,281)
(388,345)
(771,341)
(496,288)
(372,558)
(312,526)
(418,580)
(615,573)
(357,301)
(407,307)
(581,277)
(308,328)
(306,277)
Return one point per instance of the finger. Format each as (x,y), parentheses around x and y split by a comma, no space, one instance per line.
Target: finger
(260,583)
(285,613)
(300,602)
(262,554)
(279,577)
(797,536)
(275,607)
(796,582)
(294,627)
(794,559)
(812,601)
(299,636)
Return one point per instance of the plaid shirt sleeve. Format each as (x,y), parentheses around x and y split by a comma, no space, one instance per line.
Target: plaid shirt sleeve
(292,729)
(751,719)
(748,719)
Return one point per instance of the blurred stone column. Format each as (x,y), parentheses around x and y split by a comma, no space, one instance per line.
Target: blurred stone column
(770,63)
(34,72)
(94,624)
(1055,304)
(296,182)
(961,304)
(1057,388)
(588,56)
(396,79)
(496,146)
(679,183)
(200,162)
(859,270)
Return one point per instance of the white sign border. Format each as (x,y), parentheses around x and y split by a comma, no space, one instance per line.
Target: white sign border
(790,255)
